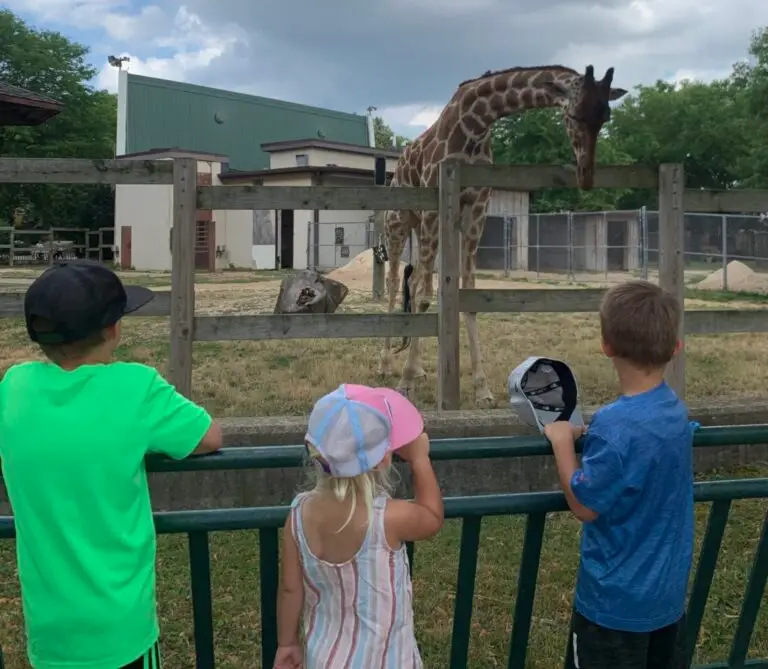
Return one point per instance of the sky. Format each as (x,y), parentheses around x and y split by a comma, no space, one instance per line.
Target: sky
(404,57)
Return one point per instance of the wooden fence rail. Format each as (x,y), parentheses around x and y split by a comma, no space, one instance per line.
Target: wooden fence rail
(354,326)
(185,327)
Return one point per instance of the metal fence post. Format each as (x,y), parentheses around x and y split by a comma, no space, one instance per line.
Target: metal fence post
(607,247)
(506,244)
(571,274)
(538,247)
(724,234)
(645,241)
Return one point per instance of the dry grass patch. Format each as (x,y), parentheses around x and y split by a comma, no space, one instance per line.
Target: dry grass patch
(285,377)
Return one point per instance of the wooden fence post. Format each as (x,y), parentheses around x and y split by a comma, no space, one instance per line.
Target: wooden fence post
(449,222)
(672,256)
(183,272)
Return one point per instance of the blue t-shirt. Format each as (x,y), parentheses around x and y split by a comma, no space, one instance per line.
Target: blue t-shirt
(637,475)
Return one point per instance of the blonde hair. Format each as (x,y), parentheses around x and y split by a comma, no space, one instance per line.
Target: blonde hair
(364,487)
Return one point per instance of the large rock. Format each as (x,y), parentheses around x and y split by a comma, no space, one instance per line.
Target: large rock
(308,292)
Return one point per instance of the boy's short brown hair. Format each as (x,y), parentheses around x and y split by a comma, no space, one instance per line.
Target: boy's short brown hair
(60,353)
(639,322)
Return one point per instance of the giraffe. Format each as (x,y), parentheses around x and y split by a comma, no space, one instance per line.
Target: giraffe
(463,132)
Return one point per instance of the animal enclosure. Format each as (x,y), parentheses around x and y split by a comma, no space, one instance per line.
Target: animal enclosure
(179,302)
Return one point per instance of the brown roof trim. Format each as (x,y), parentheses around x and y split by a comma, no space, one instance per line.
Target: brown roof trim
(19,106)
(176,152)
(296,144)
(235,175)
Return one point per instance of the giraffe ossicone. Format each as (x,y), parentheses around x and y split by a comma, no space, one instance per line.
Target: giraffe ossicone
(463,132)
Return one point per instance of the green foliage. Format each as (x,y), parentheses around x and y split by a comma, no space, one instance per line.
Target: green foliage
(718,130)
(384,136)
(48,63)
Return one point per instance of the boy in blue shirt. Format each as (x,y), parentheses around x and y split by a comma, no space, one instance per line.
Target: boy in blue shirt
(634,494)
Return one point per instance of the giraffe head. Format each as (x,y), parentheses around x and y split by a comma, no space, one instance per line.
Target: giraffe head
(585,105)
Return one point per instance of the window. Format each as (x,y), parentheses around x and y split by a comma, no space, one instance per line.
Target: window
(302,160)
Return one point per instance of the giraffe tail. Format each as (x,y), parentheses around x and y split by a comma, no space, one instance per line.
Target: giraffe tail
(407,304)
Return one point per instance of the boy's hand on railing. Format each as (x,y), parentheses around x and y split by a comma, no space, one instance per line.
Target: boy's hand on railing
(289,657)
(562,430)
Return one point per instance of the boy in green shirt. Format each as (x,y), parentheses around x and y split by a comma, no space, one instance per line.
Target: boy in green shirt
(74,432)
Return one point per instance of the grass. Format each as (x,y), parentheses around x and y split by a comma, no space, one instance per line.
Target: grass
(284,378)
(235,577)
(265,378)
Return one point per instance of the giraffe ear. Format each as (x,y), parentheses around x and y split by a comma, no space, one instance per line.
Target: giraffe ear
(617,93)
(555,89)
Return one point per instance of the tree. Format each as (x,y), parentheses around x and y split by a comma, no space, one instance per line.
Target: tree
(538,137)
(717,129)
(701,125)
(48,63)
(750,81)
(385,138)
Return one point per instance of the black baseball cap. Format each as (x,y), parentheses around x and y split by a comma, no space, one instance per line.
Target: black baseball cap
(74,299)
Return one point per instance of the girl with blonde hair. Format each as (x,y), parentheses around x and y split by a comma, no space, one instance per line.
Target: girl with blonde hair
(345,580)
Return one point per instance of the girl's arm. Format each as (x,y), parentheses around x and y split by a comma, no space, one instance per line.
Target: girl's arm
(291,596)
(423,517)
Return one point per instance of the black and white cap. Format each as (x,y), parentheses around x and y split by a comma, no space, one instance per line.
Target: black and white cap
(543,391)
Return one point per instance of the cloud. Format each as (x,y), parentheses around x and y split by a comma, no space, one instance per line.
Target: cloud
(403,56)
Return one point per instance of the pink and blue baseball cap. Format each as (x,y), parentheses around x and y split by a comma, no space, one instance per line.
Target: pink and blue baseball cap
(354,427)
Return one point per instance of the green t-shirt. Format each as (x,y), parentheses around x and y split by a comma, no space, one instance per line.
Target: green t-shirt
(72,445)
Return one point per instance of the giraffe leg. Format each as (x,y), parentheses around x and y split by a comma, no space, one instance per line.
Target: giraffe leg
(396,231)
(421,292)
(483,395)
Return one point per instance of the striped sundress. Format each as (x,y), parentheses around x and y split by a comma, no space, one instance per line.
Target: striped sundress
(359,613)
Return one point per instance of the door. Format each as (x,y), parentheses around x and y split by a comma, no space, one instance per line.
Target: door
(617,245)
(205,246)
(125,247)
(286,239)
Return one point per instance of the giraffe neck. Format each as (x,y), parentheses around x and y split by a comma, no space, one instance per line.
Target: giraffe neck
(479,103)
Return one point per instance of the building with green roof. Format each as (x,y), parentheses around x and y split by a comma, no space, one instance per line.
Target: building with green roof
(158,114)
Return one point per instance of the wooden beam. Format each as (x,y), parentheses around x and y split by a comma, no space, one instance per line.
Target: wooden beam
(706,322)
(503,300)
(742,201)
(313,326)
(183,273)
(12,305)
(83,171)
(449,225)
(671,261)
(339,198)
(538,177)
(353,326)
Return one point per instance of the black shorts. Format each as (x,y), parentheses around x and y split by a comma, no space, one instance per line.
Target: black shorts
(149,660)
(593,647)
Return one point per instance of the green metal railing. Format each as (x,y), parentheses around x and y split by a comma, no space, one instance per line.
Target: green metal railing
(267,520)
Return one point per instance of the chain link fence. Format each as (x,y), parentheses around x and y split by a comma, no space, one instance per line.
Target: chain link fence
(601,246)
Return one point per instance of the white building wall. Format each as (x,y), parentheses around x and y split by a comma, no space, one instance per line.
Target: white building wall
(234,232)
(514,204)
(323,157)
(148,211)
(301,219)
